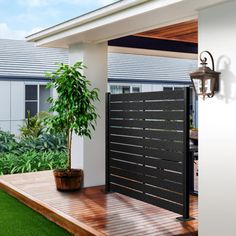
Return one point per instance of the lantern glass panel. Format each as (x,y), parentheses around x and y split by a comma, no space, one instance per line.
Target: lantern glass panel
(198,85)
(208,86)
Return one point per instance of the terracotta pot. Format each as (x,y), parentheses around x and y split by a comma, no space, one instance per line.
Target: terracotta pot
(68,180)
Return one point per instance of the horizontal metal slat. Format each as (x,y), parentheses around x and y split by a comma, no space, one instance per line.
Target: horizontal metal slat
(158,163)
(139,186)
(126,149)
(127,192)
(166,155)
(126,174)
(127,183)
(140,141)
(177,208)
(162,105)
(170,115)
(172,196)
(169,165)
(158,182)
(147,198)
(159,173)
(163,174)
(148,96)
(176,187)
(127,157)
(164,125)
(157,134)
(126,166)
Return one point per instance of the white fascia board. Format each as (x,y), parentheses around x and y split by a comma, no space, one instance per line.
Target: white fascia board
(105,16)
(83,19)
(129,20)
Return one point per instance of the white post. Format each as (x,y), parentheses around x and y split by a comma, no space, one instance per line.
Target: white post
(217,129)
(87,154)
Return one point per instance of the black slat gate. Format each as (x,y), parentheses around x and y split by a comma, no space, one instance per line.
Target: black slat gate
(147,147)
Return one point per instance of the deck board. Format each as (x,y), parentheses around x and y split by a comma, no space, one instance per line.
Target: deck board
(92,212)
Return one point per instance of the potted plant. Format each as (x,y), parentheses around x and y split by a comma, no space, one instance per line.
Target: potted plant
(74,112)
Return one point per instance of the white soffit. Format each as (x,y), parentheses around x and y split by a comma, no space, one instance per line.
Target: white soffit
(120,19)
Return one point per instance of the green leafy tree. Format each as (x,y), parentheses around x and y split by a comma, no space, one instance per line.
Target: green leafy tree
(74,109)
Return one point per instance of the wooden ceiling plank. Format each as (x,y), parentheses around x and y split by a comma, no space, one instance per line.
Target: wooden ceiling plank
(185,32)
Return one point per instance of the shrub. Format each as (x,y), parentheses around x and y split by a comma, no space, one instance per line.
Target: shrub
(45,142)
(32,161)
(7,142)
(34,126)
(45,152)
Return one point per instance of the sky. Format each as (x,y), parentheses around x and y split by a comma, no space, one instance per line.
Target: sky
(19,18)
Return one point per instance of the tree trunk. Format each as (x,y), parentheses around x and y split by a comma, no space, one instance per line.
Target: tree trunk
(69,147)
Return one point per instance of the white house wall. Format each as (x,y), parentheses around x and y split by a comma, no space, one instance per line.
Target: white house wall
(17,105)
(217,125)
(12,105)
(5,111)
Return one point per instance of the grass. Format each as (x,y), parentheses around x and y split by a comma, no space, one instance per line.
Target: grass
(17,219)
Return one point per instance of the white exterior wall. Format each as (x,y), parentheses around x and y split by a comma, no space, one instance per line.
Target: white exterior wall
(217,129)
(12,104)
(5,112)
(12,98)
(90,154)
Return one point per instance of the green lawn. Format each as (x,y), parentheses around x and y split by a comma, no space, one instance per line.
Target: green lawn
(17,219)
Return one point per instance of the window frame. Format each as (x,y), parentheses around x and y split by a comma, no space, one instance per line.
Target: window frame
(38,84)
(131,86)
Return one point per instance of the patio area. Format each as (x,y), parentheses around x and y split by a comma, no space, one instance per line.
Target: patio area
(92,212)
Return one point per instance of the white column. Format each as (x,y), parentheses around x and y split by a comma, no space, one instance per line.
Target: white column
(90,154)
(217,125)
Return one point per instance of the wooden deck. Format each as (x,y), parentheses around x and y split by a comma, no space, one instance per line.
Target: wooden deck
(92,212)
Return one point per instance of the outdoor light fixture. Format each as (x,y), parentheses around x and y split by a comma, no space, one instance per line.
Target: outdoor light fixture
(205,80)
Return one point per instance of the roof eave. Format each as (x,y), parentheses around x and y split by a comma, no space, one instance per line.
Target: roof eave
(83,19)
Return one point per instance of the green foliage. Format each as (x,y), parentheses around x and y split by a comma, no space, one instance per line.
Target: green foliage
(11,163)
(7,142)
(74,106)
(191,125)
(47,151)
(34,126)
(44,142)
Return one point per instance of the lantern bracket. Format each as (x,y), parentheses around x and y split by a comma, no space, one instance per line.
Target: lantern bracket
(204,59)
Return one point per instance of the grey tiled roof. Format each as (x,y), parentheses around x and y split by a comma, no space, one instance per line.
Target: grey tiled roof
(145,67)
(23,59)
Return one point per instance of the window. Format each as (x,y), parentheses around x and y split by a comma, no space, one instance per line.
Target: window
(117,89)
(31,100)
(178,88)
(125,89)
(135,89)
(36,96)
(167,88)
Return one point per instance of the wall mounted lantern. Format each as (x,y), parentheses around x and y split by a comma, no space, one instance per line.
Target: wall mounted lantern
(205,80)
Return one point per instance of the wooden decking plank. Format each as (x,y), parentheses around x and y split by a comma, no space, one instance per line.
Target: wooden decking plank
(92,212)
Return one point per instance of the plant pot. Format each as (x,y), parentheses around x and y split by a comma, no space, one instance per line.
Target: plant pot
(68,180)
